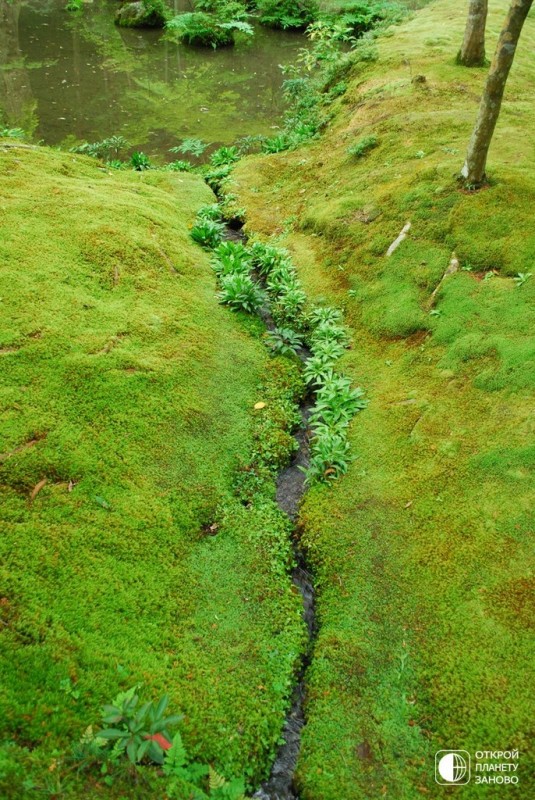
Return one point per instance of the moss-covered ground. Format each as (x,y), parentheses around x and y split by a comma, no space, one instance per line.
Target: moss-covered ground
(422,553)
(127,396)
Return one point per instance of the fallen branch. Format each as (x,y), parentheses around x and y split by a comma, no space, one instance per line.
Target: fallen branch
(453,267)
(396,243)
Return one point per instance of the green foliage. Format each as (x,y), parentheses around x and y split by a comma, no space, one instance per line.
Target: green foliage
(194,146)
(140,161)
(330,457)
(328,331)
(224,156)
(207,232)
(276,144)
(241,293)
(336,403)
(197,781)
(231,257)
(288,306)
(107,149)
(267,258)
(363,15)
(139,732)
(74,5)
(210,30)
(200,781)
(363,146)
(522,277)
(215,176)
(179,166)
(212,212)
(296,14)
(284,341)
(12,133)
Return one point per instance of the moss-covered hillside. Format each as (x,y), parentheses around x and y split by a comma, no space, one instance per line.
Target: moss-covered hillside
(423,553)
(126,395)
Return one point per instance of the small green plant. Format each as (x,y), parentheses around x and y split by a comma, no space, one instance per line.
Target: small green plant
(288,306)
(140,735)
(140,161)
(282,278)
(241,293)
(179,166)
(224,156)
(186,777)
(324,315)
(336,403)
(231,257)
(329,458)
(363,146)
(12,133)
(328,332)
(108,149)
(267,258)
(522,277)
(276,144)
(215,176)
(320,365)
(207,232)
(116,163)
(74,5)
(194,146)
(284,341)
(139,731)
(67,686)
(210,212)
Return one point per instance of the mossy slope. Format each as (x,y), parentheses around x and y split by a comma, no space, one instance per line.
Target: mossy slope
(129,390)
(422,552)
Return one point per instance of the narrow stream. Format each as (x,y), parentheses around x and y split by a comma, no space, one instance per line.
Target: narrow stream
(290,491)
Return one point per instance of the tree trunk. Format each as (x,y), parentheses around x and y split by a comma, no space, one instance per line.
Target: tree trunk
(476,158)
(472,52)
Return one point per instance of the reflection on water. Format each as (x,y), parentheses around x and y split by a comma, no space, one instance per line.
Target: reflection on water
(70,77)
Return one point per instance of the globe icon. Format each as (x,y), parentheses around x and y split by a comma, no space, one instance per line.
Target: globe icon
(452,767)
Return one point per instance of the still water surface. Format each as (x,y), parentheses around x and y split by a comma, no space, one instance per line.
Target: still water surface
(67,78)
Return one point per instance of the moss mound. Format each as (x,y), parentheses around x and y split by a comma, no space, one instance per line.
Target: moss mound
(423,552)
(142,14)
(126,392)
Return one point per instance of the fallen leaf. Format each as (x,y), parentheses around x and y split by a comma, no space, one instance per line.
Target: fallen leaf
(36,489)
(164,743)
(102,502)
(258,406)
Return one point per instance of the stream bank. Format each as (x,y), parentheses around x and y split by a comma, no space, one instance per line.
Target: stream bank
(262,279)
(290,489)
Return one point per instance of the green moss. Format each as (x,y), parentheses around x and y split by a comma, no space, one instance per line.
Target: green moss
(129,390)
(422,553)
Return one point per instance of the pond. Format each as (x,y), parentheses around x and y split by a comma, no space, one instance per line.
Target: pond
(72,77)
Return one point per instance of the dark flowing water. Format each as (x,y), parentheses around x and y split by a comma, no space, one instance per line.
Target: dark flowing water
(69,77)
